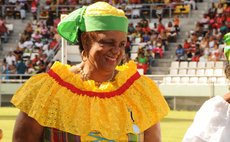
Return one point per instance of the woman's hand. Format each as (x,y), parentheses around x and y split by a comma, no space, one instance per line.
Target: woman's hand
(227,97)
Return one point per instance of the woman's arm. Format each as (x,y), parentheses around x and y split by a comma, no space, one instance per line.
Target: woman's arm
(153,134)
(27,129)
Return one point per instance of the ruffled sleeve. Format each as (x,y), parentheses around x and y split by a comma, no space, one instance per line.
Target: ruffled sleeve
(61,100)
(211,123)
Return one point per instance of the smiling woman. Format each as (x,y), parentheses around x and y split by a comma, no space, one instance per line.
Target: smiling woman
(97,100)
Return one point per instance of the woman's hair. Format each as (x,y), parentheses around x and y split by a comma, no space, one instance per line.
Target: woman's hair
(86,40)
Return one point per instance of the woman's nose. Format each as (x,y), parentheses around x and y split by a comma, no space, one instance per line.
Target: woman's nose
(116,49)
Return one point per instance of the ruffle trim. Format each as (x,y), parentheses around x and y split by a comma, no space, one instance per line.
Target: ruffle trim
(53,105)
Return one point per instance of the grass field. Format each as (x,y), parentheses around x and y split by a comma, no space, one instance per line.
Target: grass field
(173,126)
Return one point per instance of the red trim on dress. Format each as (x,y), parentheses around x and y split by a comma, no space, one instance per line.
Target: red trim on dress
(73,89)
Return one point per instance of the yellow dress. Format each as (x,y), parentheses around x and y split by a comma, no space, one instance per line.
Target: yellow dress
(60,99)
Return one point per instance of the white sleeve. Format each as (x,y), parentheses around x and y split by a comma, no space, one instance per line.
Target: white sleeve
(211,123)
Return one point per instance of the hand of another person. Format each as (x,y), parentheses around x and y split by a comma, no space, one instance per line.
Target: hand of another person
(227,97)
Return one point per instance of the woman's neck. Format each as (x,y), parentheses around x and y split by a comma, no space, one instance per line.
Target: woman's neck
(99,76)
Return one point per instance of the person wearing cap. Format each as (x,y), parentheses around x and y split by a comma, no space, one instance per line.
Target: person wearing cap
(212,121)
(97,100)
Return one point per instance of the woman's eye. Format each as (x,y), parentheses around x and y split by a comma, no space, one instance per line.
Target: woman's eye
(122,45)
(106,43)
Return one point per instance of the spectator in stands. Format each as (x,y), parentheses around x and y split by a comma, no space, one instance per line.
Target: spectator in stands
(220,9)
(3,30)
(50,19)
(171,31)
(213,10)
(180,53)
(160,27)
(18,53)
(21,67)
(49,101)
(5,69)
(23,11)
(142,61)
(176,23)
(13,70)
(10,58)
(158,51)
(36,36)
(150,57)
(204,43)
(215,53)
(17,10)
(131,28)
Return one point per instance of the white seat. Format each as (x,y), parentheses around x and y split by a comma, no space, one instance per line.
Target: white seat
(221,80)
(183,65)
(218,72)
(203,80)
(201,65)
(175,80)
(193,80)
(182,72)
(173,72)
(209,72)
(184,80)
(192,64)
(210,64)
(200,72)
(219,65)
(191,72)
(175,64)
(167,80)
(212,79)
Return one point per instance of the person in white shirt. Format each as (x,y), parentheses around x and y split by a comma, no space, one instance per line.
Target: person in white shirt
(212,121)
(10,58)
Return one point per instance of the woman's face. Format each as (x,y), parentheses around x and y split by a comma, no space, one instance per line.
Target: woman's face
(107,51)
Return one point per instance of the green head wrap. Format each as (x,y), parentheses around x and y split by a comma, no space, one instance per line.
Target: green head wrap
(227,47)
(99,16)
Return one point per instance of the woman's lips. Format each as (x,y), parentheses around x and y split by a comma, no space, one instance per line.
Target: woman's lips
(110,58)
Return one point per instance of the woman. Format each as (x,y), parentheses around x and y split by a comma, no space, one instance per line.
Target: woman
(212,121)
(96,100)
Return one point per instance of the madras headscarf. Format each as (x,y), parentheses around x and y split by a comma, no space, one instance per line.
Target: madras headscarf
(99,16)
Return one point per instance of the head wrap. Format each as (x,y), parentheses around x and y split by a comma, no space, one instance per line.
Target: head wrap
(99,16)
(227,46)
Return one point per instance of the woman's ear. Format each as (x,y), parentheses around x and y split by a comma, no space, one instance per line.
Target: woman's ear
(227,71)
(84,56)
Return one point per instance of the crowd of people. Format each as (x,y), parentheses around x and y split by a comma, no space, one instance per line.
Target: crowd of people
(38,43)
(205,42)
(152,41)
